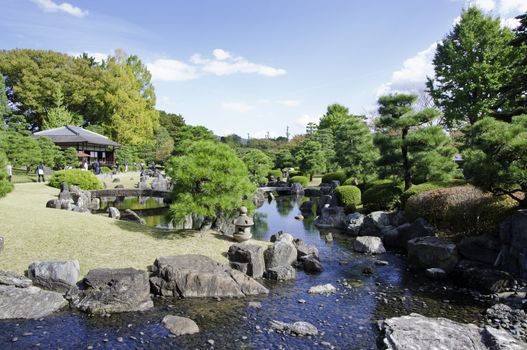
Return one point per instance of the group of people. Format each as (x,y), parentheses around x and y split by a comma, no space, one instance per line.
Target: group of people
(39,171)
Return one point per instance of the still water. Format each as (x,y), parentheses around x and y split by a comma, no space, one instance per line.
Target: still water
(346,319)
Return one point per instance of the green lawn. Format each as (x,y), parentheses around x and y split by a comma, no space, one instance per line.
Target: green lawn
(34,232)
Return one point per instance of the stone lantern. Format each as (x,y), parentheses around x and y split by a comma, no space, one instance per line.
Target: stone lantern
(242,226)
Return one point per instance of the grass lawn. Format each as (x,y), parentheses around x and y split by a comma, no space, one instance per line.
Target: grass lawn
(33,232)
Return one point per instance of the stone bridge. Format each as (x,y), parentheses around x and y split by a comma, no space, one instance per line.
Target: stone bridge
(285,190)
(130,192)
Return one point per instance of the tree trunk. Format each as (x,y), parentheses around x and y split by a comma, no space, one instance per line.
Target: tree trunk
(406,161)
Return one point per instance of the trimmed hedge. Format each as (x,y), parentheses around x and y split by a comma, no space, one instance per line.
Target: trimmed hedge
(86,180)
(276,173)
(462,210)
(428,186)
(339,176)
(304,181)
(349,197)
(382,195)
(294,173)
(378,182)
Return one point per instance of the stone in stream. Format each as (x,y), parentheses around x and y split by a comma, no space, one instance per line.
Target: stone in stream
(105,291)
(250,254)
(280,273)
(282,237)
(419,332)
(354,223)
(194,275)
(30,303)
(368,245)
(435,273)
(58,276)
(322,289)
(311,264)
(399,237)
(373,223)
(11,278)
(480,277)
(298,328)
(303,249)
(180,325)
(281,253)
(130,215)
(427,252)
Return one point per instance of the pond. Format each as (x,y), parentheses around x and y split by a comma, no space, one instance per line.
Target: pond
(346,319)
(153,210)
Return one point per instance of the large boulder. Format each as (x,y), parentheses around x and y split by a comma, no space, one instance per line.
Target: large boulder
(282,237)
(399,238)
(297,188)
(354,223)
(312,192)
(259,198)
(419,332)
(249,254)
(280,254)
(190,276)
(180,325)
(368,245)
(311,264)
(427,252)
(331,217)
(31,302)
(112,290)
(374,222)
(114,213)
(225,224)
(513,236)
(58,276)
(130,215)
(482,278)
(280,273)
(10,278)
(304,249)
(483,249)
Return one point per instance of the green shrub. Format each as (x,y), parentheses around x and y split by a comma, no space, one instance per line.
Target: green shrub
(339,176)
(349,197)
(378,182)
(382,195)
(350,181)
(276,173)
(461,210)
(5,185)
(304,181)
(294,173)
(106,170)
(86,180)
(428,186)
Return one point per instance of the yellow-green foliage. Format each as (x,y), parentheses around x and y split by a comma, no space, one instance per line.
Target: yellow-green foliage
(86,180)
(276,173)
(339,176)
(304,181)
(428,186)
(463,210)
(106,170)
(349,197)
(382,195)
(350,181)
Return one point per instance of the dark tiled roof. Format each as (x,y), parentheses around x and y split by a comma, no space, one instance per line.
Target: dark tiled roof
(75,134)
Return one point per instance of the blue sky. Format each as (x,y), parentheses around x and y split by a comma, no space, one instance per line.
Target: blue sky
(253,66)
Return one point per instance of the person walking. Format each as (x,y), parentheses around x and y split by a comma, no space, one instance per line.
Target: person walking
(125,167)
(40,172)
(9,172)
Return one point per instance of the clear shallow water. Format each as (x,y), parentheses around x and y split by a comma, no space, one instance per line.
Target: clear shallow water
(346,320)
(153,210)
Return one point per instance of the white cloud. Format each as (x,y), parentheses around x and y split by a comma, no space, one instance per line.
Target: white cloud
(508,7)
(220,54)
(485,5)
(511,23)
(172,70)
(412,75)
(98,56)
(236,107)
(50,6)
(306,119)
(290,103)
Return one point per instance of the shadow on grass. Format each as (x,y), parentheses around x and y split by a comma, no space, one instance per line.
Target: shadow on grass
(155,232)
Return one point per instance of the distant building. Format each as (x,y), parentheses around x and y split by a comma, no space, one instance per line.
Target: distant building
(89,145)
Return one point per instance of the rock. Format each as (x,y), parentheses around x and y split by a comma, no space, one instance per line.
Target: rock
(58,276)
(161,184)
(280,254)
(11,278)
(299,217)
(53,203)
(119,186)
(298,328)
(255,305)
(397,219)
(303,249)
(112,290)
(374,222)
(312,192)
(367,270)
(95,204)
(225,224)
(180,325)
(406,232)
(259,198)
(354,223)
(280,273)
(513,236)
(368,245)
(114,213)
(30,303)
(297,188)
(331,217)
(116,180)
(418,332)
(282,237)
(483,249)
(322,289)
(435,273)
(130,215)
(311,264)
(186,224)
(250,254)
(325,189)
(65,192)
(480,277)
(307,208)
(190,276)
(381,263)
(427,252)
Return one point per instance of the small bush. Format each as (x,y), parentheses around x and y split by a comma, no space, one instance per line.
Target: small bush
(86,180)
(294,173)
(378,182)
(350,181)
(349,197)
(382,195)
(339,176)
(428,186)
(276,173)
(462,210)
(304,181)
(106,170)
